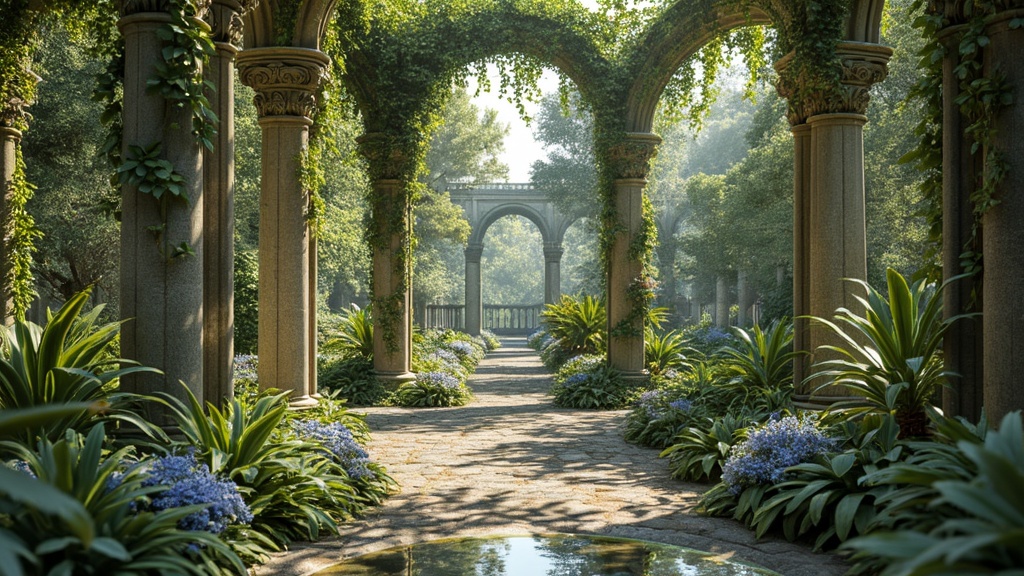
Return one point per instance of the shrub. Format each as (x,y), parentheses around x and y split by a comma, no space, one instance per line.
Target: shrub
(186,482)
(352,379)
(701,450)
(353,336)
(433,389)
(535,338)
(769,449)
(595,386)
(657,416)
(668,351)
(247,301)
(577,323)
(763,359)
(490,341)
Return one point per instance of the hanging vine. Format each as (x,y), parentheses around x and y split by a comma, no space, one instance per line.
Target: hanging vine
(19,245)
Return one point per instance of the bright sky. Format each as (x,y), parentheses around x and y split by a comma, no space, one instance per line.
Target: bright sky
(521,151)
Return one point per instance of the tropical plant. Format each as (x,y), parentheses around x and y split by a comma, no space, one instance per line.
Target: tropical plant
(74,511)
(433,389)
(293,490)
(658,416)
(352,379)
(577,322)
(891,355)
(987,535)
(354,336)
(66,362)
(763,359)
(668,351)
(700,451)
(596,386)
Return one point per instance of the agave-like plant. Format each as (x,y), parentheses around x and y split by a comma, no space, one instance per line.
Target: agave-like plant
(891,355)
(79,514)
(65,362)
(578,323)
(666,351)
(354,336)
(763,358)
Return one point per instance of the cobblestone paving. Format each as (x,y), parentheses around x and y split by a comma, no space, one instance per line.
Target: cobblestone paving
(510,463)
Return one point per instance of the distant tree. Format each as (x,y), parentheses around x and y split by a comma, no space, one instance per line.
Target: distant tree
(512,265)
(80,244)
(569,173)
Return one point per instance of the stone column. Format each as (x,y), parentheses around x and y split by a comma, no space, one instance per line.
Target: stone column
(801,251)
(161,293)
(286,80)
(10,138)
(474,288)
(392,267)
(552,273)
(625,324)
(963,344)
(831,242)
(225,19)
(721,302)
(744,298)
(1003,241)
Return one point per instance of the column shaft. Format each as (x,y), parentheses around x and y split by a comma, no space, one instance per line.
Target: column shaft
(1003,241)
(392,348)
(9,140)
(219,226)
(801,251)
(721,302)
(161,298)
(626,341)
(474,289)
(552,273)
(963,343)
(837,236)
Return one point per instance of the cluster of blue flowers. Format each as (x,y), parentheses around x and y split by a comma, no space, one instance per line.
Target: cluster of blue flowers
(21,466)
(188,482)
(338,443)
(445,356)
(711,337)
(769,449)
(654,406)
(534,339)
(584,362)
(461,348)
(577,379)
(245,366)
(438,380)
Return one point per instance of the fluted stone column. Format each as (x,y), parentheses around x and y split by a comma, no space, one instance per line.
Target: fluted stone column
(10,138)
(285,80)
(625,326)
(225,19)
(963,344)
(552,272)
(474,289)
(392,266)
(161,295)
(831,242)
(801,251)
(1003,240)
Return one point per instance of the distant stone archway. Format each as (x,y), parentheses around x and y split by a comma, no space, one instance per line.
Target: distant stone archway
(487,203)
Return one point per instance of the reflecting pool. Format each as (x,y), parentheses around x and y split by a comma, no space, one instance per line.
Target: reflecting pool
(546,555)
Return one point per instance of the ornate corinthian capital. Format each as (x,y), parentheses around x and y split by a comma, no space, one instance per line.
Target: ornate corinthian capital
(225,20)
(285,79)
(631,159)
(860,66)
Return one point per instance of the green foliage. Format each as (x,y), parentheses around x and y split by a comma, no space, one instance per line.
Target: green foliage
(701,450)
(246,301)
(352,379)
(354,335)
(577,323)
(890,356)
(65,362)
(19,245)
(79,514)
(986,535)
(668,351)
(433,389)
(763,359)
(294,492)
(594,385)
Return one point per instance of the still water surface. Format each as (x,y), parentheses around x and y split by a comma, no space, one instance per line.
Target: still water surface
(548,555)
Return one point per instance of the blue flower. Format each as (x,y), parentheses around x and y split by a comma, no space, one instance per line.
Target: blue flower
(245,366)
(681,404)
(463,349)
(21,466)
(769,449)
(439,380)
(188,482)
(338,443)
(577,379)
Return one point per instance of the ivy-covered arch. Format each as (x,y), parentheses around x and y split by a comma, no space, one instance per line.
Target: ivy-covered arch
(301,24)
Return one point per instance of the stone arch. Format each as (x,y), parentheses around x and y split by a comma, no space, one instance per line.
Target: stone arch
(513,208)
(311,20)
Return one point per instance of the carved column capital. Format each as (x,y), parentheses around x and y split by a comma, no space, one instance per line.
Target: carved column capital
(553,253)
(474,252)
(860,64)
(225,20)
(387,160)
(130,7)
(631,159)
(286,80)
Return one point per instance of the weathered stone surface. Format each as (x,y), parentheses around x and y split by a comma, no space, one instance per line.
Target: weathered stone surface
(508,464)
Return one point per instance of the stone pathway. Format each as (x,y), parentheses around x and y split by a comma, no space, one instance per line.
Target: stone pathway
(510,463)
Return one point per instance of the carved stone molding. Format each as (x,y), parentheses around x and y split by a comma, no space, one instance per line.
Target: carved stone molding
(553,253)
(129,7)
(386,159)
(225,20)
(861,65)
(631,159)
(474,252)
(285,79)
(13,113)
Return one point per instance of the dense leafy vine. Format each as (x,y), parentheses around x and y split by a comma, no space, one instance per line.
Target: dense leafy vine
(19,246)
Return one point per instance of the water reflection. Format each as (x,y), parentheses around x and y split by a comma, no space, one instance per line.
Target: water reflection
(551,555)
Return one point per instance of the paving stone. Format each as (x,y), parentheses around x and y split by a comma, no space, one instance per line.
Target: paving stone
(510,463)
